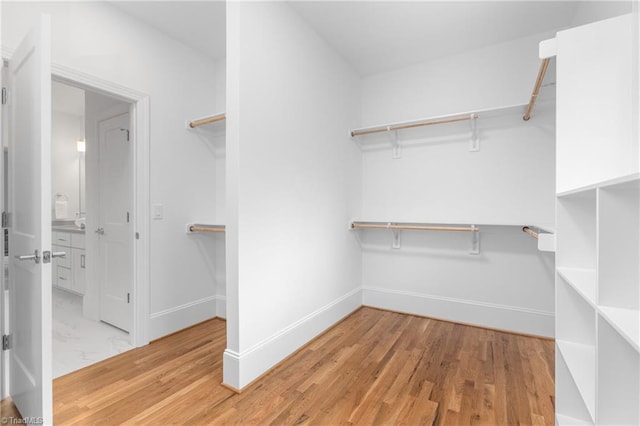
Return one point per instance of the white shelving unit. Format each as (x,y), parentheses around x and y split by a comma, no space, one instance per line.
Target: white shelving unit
(598,230)
(598,303)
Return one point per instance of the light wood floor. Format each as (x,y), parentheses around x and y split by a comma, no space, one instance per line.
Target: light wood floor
(375,367)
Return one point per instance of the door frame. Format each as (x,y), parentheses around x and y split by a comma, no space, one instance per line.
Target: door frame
(4,315)
(140,135)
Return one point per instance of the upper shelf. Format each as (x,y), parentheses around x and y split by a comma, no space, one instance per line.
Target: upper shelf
(611,182)
(389,132)
(440,119)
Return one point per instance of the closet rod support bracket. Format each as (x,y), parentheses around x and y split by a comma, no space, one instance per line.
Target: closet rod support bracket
(475,241)
(395,146)
(396,239)
(474,142)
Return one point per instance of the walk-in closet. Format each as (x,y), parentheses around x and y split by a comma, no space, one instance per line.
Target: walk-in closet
(355,212)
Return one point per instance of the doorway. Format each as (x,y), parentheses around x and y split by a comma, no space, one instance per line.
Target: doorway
(92,187)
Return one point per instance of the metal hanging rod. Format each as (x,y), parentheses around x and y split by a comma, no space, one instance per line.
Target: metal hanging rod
(530,231)
(207,120)
(196,227)
(536,88)
(429,122)
(412,227)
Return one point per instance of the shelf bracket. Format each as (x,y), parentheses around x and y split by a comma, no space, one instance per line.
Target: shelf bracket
(475,241)
(396,239)
(395,146)
(474,142)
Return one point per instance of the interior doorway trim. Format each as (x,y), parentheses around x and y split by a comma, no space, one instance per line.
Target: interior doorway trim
(141,178)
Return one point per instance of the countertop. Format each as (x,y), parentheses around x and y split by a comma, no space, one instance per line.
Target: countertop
(68,228)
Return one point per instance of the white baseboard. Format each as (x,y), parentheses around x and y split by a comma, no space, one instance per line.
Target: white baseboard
(221,306)
(180,317)
(240,369)
(508,318)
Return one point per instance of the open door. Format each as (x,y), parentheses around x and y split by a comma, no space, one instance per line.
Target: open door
(30,383)
(115,236)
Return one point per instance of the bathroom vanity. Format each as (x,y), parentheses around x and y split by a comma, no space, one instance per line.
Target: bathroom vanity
(69,272)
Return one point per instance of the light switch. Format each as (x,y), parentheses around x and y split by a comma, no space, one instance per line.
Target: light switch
(157,211)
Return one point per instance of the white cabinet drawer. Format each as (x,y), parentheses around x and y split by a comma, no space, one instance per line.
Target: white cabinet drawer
(62,261)
(63,277)
(62,238)
(79,270)
(77,240)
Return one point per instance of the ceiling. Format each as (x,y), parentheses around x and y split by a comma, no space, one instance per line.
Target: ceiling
(386,35)
(197,24)
(373,36)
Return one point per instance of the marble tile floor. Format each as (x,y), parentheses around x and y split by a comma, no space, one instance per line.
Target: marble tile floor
(79,341)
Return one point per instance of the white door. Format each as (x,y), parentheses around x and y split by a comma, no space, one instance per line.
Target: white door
(30,225)
(115,230)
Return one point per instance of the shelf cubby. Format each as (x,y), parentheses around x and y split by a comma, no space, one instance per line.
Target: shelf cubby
(570,407)
(618,373)
(575,318)
(618,254)
(576,340)
(576,236)
(583,282)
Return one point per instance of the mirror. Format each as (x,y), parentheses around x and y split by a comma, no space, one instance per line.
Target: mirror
(67,153)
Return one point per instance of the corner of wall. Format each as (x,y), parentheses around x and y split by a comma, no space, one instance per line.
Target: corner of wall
(241,369)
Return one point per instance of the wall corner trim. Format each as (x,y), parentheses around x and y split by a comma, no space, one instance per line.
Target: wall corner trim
(242,368)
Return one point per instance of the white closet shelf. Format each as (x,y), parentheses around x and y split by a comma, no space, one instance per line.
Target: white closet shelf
(611,182)
(581,360)
(625,321)
(397,227)
(582,280)
(390,130)
(483,223)
(440,119)
(412,226)
(546,240)
(546,227)
(562,420)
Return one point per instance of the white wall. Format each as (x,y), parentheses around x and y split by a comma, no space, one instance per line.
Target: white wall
(510,181)
(220,190)
(97,39)
(592,11)
(66,129)
(293,180)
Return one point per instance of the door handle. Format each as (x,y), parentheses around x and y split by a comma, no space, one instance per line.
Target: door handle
(35,256)
(100,231)
(47,255)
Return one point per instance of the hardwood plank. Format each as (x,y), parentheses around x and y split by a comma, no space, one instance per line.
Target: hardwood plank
(9,414)
(375,367)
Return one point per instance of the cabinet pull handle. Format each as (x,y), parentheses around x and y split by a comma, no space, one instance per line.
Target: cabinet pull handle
(82,257)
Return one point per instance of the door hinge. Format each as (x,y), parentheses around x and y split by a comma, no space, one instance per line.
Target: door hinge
(127,217)
(6,342)
(137,235)
(128,297)
(5,95)
(5,220)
